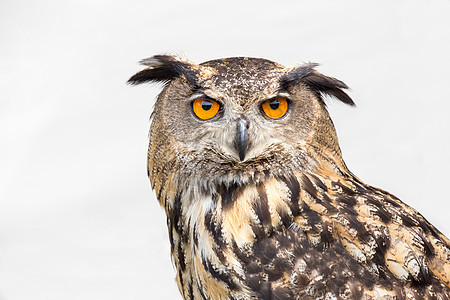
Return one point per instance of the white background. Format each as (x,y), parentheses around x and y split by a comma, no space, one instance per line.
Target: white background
(77,217)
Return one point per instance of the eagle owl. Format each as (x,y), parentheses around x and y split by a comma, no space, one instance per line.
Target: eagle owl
(245,161)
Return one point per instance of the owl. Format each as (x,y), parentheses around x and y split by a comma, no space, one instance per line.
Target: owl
(245,161)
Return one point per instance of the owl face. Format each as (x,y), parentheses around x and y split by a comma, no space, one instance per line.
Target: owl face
(236,116)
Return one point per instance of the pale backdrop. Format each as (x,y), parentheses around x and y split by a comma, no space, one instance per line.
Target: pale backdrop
(78,219)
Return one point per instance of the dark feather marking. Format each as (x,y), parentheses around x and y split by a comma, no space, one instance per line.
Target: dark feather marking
(229,194)
(347,200)
(218,250)
(345,190)
(294,187)
(407,221)
(381,211)
(326,235)
(163,68)
(181,259)
(214,229)
(319,183)
(286,219)
(308,186)
(427,229)
(361,187)
(390,201)
(424,270)
(170,227)
(326,202)
(191,290)
(200,290)
(185,238)
(173,221)
(261,206)
(351,217)
(386,196)
(383,243)
(180,278)
(195,236)
(165,171)
(176,214)
(218,275)
(159,192)
(215,197)
(312,217)
(360,229)
(241,255)
(258,230)
(429,249)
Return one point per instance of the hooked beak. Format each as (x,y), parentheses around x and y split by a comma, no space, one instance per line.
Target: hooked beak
(241,142)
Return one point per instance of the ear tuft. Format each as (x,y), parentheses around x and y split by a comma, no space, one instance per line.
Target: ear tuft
(317,82)
(297,74)
(164,68)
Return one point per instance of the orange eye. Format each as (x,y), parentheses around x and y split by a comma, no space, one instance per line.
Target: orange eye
(275,108)
(205,109)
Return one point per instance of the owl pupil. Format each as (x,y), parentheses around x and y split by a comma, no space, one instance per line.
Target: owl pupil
(206,105)
(274,104)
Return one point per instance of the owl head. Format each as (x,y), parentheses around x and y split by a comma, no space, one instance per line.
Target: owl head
(240,119)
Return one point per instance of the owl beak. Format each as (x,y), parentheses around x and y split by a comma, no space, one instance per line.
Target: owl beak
(242,138)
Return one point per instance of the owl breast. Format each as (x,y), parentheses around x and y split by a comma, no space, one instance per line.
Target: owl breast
(289,238)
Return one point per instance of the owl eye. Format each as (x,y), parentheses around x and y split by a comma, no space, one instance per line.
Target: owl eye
(275,108)
(205,108)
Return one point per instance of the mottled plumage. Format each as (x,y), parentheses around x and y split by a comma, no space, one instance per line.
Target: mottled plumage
(261,208)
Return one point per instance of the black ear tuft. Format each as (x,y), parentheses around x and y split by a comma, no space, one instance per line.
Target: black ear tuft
(297,75)
(319,83)
(163,68)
